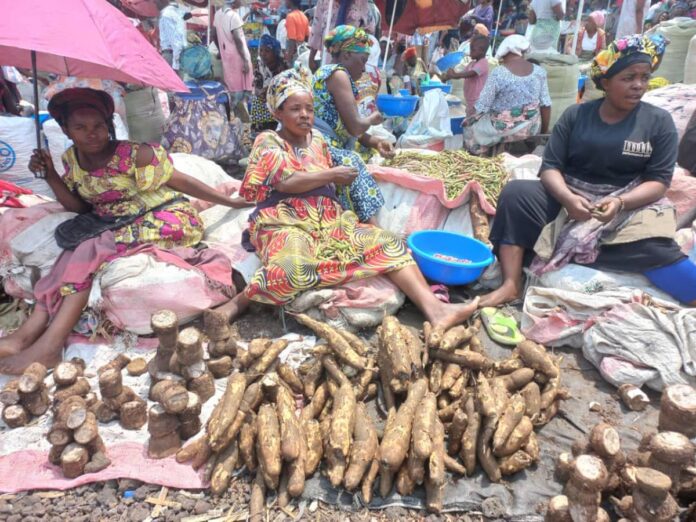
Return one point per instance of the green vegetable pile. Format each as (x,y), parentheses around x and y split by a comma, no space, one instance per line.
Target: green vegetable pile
(455,168)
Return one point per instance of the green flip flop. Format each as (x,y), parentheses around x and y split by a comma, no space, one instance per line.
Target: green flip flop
(501,327)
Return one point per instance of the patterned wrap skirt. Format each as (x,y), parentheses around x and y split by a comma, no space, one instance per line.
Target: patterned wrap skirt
(314,243)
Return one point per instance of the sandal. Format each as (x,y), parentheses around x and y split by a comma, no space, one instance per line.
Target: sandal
(501,327)
(441,292)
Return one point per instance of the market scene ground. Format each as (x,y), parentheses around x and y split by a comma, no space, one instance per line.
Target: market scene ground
(348,260)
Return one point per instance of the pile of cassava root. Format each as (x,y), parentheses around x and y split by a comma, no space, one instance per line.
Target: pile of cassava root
(448,406)
(645,485)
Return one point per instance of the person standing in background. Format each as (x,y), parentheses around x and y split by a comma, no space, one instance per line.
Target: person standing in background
(474,74)
(297,27)
(236,59)
(343,12)
(483,14)
(546,15)
(172,32)
(632,17)
(282,33)
(591,38)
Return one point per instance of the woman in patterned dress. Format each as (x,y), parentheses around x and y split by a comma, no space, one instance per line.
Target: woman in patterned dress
(125,194)
(338,119)
(303,236)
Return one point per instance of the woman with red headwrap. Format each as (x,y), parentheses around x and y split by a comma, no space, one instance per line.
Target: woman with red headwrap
(591,38)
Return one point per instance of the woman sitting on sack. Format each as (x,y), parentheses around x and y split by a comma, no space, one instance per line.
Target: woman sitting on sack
(591,38)
(303,236)
(126,194)
(514,104)
(600,198)
(338,118)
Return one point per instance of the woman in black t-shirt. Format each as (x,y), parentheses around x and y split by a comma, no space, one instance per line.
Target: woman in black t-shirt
(602,183)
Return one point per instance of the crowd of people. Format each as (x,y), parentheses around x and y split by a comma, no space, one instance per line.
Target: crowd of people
(599,199)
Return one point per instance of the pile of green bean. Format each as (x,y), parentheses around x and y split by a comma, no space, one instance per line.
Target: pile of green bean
(455,168)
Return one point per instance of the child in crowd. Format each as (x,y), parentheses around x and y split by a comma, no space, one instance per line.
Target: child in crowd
(475,73)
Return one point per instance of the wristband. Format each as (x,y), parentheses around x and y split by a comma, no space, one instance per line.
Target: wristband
(622,203)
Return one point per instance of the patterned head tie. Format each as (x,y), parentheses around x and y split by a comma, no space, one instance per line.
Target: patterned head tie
(347,38)
(625,52)
(286,84)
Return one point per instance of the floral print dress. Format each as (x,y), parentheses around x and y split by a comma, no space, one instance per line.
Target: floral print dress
(307,242)
(122,189)
(364,196)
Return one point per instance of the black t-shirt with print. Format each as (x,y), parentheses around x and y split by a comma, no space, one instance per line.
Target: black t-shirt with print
(643,145)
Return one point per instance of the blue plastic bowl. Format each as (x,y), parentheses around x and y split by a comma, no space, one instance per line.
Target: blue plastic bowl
(253,43)
(449,60)
(444,87)
(391,105)
(456,124)
(404,92)
(425,243)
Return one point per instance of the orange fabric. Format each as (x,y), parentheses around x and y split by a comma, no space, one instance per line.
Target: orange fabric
(297,26)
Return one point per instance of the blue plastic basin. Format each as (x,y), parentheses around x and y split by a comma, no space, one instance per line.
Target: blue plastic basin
(444,87)
(391,105)
(456,124)
(425,243)
(449,60)
(404,92)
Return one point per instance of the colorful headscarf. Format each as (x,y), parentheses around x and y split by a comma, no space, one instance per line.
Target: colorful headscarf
(271,43)
(347,38)
(482,30)
(286,84)
(409,53)
(598,18)
(70,100)
(625,52)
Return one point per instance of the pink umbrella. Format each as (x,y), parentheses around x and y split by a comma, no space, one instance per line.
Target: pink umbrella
(87,38)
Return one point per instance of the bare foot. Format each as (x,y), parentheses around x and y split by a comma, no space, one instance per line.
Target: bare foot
(508,292)
(47,353)
(13,344)
(234,307)
(450,315)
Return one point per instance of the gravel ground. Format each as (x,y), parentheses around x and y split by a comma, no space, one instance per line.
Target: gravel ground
(132,501)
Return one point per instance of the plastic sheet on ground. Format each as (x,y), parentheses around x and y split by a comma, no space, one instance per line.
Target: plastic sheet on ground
(523,498)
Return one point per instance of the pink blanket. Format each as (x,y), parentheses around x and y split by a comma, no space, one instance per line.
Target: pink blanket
(431,186)
(30,469)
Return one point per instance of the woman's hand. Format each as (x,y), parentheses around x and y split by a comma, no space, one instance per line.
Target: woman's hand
(343,175)
(606,209)
(41,163)
(239,202)
(385,149)
(375,118)
(578,208)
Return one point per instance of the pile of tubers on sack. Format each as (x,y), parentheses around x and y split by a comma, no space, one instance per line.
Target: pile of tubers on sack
(25,397)
(447,407)
(643,486)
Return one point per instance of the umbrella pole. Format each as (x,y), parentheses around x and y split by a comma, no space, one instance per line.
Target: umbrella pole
(581,6)
(391,27)
(497,26)
(35,81)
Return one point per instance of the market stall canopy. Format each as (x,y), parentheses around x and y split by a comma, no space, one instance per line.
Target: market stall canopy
(85,38)
(412,16)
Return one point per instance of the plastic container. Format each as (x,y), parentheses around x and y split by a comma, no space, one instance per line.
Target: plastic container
(404,92)
(253,44)
(425,243)
(449,60)
(456,124)
(391,105)
(444,87)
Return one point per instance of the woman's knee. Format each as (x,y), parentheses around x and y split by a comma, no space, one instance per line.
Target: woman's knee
(520,190)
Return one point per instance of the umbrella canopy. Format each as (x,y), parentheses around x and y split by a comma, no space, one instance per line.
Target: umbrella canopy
(410,17)
(86,38)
